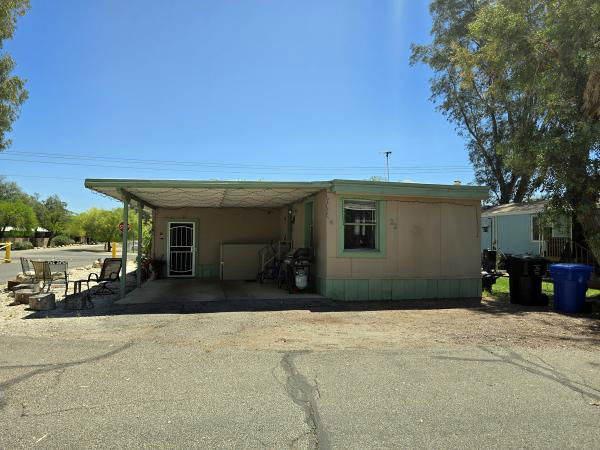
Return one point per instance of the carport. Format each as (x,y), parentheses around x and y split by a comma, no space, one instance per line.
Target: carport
(371,240)
(191,218)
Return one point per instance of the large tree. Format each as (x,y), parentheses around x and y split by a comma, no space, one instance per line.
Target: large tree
(53,215)
(102,225)
(500,122)
(12,88)
(548,53)
(9,190)
(16,214)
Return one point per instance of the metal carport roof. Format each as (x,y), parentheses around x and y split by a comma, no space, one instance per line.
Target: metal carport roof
(263,194)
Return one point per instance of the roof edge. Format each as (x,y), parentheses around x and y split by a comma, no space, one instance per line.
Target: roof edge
(129,183)
(410,189)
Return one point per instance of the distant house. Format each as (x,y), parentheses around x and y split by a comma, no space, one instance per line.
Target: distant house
(521,228)
(38,237)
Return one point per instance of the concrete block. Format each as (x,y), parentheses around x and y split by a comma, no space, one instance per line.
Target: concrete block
(33,286)
(10,284)
(22,295)
(42,302)
(25,277)
(79,301)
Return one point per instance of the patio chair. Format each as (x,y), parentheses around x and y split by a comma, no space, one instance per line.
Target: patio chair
(51,272)
(111,269)
(27,268)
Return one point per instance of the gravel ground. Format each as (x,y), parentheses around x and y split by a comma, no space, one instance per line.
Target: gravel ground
(349,377)
(372,326)
(10,312)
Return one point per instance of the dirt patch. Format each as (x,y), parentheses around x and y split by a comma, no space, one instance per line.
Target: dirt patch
(494,322)
(327,319)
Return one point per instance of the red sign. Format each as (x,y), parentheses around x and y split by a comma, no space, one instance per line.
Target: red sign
(122,226)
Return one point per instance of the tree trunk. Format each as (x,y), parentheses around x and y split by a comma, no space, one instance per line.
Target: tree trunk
(589,218)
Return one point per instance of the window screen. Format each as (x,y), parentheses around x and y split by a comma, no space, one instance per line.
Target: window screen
(360,224)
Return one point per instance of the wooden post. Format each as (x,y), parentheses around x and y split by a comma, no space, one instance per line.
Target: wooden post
(123,283)
(139,244)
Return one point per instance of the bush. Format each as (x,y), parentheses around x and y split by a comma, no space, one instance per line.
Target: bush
(61,240)
(23,245)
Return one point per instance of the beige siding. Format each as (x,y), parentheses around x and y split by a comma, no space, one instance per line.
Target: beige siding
(425,238)
(218,225)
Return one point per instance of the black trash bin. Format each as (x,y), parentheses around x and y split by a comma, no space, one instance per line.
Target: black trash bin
(488,260)
(525,280)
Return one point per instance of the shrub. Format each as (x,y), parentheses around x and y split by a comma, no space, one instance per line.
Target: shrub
(23,245)
(61,240)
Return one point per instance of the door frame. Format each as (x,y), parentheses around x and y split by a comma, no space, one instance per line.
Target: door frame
(309,225)
(194,247)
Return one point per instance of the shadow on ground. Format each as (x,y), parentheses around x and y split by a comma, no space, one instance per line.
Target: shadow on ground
(104,307)
(158,299)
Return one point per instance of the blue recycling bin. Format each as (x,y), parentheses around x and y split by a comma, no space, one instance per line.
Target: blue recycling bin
(570,286)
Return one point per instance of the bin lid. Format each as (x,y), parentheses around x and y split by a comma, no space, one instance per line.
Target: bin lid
(567,267)
(530,258)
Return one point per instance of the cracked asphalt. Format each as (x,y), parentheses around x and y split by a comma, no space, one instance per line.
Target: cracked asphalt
(173,381)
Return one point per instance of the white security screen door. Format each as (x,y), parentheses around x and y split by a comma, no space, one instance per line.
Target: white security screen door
(181,250)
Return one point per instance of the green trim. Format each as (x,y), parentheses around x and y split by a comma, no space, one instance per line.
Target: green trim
(381,233)
(124,239)
(410,189)
(208,271)
(337,186)
(398,289)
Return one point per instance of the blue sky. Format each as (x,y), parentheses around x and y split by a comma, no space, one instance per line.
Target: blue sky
(234,90)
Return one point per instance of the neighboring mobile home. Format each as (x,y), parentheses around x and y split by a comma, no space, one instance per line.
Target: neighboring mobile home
(522,228)
(371,240)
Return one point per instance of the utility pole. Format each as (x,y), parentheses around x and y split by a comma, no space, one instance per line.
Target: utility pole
(387,154)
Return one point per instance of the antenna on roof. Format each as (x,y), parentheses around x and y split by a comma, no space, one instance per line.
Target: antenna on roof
(387,154)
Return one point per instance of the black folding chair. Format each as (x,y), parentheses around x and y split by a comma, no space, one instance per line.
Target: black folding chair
(111,269)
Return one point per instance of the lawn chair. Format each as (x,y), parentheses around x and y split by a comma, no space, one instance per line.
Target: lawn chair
(111,269)
(51,272)
(27,268)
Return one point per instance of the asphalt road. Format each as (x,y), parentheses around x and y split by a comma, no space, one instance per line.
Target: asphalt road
(162,389)
(77,256)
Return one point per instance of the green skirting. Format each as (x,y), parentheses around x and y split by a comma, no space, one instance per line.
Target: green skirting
(207,271)
(399,289)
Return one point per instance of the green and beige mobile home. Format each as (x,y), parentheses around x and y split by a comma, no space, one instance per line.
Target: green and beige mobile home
(371,240)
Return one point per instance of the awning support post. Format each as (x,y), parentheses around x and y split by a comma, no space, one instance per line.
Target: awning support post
(139,244)
(124,247)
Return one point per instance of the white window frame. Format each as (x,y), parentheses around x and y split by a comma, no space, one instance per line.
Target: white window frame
(540,229)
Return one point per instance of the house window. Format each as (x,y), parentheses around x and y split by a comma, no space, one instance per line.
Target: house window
(360,225)
(539,230)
